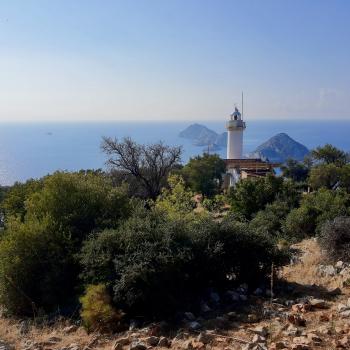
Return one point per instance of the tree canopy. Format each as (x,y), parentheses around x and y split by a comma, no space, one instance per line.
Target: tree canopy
(204,174)
(148,164)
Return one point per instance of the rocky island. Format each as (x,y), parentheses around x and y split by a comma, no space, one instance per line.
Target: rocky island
(278,148)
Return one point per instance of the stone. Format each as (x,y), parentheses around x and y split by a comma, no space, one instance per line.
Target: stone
(138,345)
(133,325)
(324,318)
(4,346)
(205,307)
(189,316)
(198,345)
(345,313)
(260,330)
(205,337)
(291,331)
(325,330)
(123,341)
(258,292)
(234,296)
(73,346)
(335,292)
(152,340)
(187,345)
(194,325)
(301,307)
(297,320)
(314,337)
(318,303)
(301,340)
(70,329)
(345,341)
(279,345)
(339,265)
(327,270)
(258,339)
(117,346)
(215,297)
(164,342)
(300,347)
(54,340)
(342,307)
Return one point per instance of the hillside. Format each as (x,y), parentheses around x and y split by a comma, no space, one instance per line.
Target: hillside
(310,311)
(279,148)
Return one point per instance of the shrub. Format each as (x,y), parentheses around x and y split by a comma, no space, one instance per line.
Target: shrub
(214,204)
(98,313)
(36,268)
(271,219)
(301,223)
(79,203)
(253,194)
(39,245)
(204,174)
(335,239)
(176,200)
(158,265)
(315,209)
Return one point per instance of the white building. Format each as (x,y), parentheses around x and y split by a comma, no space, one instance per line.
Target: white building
(237,166)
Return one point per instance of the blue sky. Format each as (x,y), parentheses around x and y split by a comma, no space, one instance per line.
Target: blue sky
(173,59)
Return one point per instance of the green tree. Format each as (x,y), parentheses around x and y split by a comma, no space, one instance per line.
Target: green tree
(38,248)
(176,200)
(252,194)
(36,268)
(315,209)
(324,175)
(14,201)
(78,203)
(204,174)
(271,219)
(295,170)
(329,154)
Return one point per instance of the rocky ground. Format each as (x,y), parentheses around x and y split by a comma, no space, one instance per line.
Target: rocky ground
(310,309)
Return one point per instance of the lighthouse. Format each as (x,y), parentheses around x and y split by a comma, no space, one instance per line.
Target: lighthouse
(235,127)
(237,167)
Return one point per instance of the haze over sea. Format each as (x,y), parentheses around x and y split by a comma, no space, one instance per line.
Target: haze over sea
(32,150)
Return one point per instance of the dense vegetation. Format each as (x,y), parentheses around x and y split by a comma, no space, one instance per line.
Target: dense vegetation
(137,240)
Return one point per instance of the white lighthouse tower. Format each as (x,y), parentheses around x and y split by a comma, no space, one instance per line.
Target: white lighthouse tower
(235,127)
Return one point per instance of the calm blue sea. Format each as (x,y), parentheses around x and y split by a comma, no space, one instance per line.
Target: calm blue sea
(36,149)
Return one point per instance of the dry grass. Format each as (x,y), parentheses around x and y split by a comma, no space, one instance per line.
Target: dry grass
(305,271)
(10,332)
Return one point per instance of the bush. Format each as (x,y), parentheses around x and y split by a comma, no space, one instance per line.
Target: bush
(158,265)
(253,194)
(214,204)
(38,248)
(98,313)
(335,239)
(315,209)
(176,200)
(36,268)
(204,174)
(271,219)
(79,203)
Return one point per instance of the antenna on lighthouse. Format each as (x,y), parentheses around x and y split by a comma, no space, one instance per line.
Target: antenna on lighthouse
(242,105)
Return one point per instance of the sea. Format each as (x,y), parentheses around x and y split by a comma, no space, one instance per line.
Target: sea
(32,150)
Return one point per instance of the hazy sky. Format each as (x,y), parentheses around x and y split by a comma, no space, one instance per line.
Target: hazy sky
(173,59)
